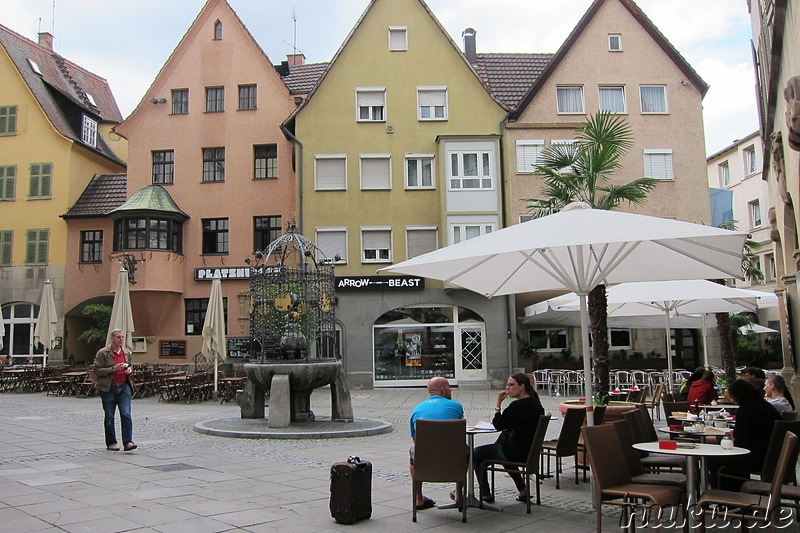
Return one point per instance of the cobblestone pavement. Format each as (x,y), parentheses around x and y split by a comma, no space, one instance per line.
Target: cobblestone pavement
(55,474)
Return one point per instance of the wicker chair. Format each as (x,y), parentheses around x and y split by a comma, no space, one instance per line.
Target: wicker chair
(767,472)
(529,468)
(655,401)
(670,407)
(643,431)
(634,461)
(752,507)
(440,455)
(612,480)
(567,443)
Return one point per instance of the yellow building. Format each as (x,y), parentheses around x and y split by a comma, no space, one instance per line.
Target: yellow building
(54,122)
(399,154)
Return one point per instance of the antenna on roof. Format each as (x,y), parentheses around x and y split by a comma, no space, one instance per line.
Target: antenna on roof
(53,23)
(294,37)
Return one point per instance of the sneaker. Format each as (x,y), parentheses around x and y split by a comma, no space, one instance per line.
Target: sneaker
(113,447)
(129,446)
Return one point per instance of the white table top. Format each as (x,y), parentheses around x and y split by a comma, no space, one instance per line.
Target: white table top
(703,450)
(708,432)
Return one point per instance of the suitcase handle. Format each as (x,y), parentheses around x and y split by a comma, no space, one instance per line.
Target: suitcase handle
(356,460)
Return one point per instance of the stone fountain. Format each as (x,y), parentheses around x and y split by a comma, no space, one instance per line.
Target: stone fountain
(292,334)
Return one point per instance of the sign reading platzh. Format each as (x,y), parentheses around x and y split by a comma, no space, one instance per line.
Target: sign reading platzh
(379,283)
(207,274)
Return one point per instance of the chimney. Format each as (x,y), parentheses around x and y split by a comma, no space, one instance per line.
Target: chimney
(46,40)
(296,59)
(469,46)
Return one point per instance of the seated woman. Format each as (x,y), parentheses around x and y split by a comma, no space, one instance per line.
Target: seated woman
(518,423)
(703,391)
(777,394)
(754,420)
(683,391)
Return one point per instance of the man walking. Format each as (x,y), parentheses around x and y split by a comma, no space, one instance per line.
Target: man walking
(438,406)
(112,372)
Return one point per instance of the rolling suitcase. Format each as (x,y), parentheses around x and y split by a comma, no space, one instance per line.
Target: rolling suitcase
(351,490)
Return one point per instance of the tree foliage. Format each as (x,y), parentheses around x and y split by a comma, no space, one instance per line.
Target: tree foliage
(101,317)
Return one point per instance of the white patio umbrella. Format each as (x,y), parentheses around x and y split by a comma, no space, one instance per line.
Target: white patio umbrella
(577,249)
(214,328)
(121,312)
(2,327)
(669,299)
(757,329)
(45,330)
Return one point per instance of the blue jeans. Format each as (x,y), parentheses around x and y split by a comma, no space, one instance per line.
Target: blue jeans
(118,396)
(492,451)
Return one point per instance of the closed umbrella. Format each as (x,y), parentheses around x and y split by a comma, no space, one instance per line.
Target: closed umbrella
(577,249)
(121,313)
(2,327)
(669,299)
(45,330)
(214,328)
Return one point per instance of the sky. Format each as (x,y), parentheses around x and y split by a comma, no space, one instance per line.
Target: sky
(128,41)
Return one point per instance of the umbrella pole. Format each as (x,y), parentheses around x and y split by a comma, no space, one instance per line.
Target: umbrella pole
(44,357)
(587,360)
(669,354)
(216,374)
(705,341)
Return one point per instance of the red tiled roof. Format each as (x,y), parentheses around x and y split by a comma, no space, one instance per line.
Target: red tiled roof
(509,76)
(62,89)
(104,193)
(302,78)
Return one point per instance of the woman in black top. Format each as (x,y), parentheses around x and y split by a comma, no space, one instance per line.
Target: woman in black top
(518,424)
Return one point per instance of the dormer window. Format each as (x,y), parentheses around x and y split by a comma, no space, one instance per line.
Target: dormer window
(218,30)
(34,66)
(89,135)
(91,100)
(614,42)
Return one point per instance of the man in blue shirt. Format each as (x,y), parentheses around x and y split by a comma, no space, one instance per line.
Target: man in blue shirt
(438,406)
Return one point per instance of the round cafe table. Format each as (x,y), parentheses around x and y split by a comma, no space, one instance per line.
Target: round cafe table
(697,451)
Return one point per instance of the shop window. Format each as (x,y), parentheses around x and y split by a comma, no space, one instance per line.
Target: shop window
(195,309)
(19,320)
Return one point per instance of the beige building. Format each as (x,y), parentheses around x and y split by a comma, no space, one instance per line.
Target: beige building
(616,60)
(776,30)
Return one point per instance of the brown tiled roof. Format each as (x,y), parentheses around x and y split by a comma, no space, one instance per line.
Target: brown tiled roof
(104,193)
(509,76)
(302,78)
(62,88)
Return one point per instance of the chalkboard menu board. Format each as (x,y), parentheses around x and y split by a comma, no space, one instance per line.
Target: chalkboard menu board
(238,347)
(173,349)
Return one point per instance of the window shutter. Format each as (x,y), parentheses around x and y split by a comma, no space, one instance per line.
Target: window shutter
(658,166)
(376,239)
(420,241)
(42,245)
(30,247)
(6,243)
(371,98)
(332,243)
(397,39)
(432,97)
(528,155)
(375,173)
(330,173)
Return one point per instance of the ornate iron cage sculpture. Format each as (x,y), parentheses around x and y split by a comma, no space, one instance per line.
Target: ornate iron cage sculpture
(292,301)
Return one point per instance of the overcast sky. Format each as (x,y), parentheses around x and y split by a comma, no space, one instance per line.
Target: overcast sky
(128,41)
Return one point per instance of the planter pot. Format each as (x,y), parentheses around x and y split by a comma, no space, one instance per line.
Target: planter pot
(614,410)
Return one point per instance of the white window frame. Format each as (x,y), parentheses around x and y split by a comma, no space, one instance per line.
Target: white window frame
(750,163)
(365,185)
(754,210)
(611,38)
(724,170)
(486,182)
(410,230)
(529,153)
(418,158)
(613,346)
(365,98)
(431,90)
(664,92)
(648,157)
(621,89)
(484,228)
(387,257)
(89,131)
(330,230)
(401,43)
(559,89)
(323,157)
